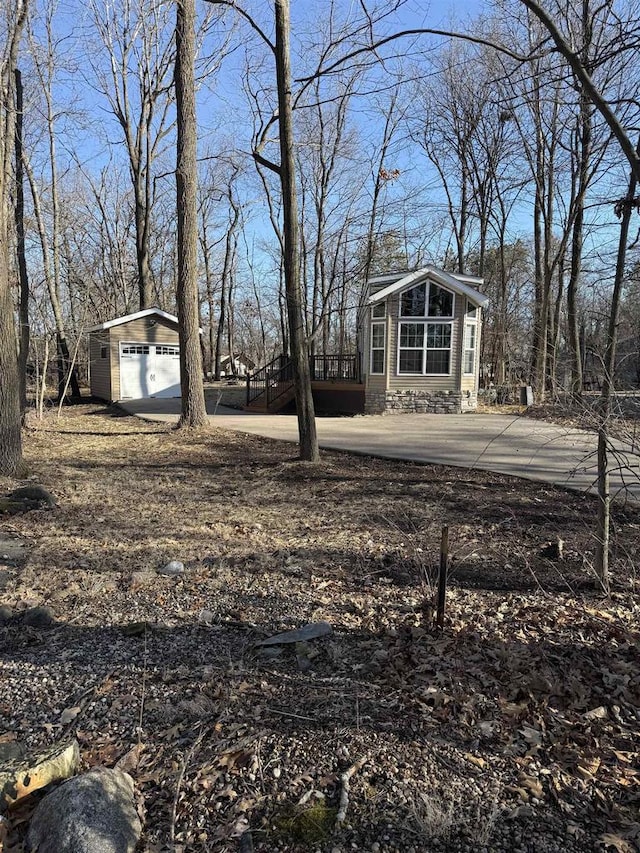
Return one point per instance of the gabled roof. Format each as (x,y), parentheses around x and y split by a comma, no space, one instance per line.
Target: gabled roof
(461,284)
(238,357)
(147,312)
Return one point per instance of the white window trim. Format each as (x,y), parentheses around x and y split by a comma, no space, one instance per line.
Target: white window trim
(425,316)
(470,323)
(377,349)
(425,321)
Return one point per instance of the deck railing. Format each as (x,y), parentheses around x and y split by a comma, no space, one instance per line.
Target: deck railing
(276,378)
(336,368)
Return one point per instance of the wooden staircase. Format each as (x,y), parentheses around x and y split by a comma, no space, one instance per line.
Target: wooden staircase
(271,388)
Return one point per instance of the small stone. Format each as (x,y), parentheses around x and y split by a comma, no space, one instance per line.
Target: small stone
(139,580)
(38,617)
(11,751)
(136,629)
(312,631)
(206,616)
(172,568)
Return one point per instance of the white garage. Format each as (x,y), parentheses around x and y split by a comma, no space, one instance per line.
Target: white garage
(135,356)
(149,370)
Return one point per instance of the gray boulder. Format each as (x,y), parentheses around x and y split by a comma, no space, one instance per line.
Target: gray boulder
(38,617)
(27,498)
(36,496)
(92,813)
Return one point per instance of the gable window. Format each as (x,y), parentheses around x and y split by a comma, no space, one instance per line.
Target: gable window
(469,349)
(440,302)
(379,310)
(424,348)
(413,301)
(472,310)
(103,352)
(426,300)
(377,347)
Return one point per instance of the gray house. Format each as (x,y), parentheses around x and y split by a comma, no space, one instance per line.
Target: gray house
(421,335)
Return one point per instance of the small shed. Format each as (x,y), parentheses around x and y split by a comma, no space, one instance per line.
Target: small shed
(135,356)
(421,334)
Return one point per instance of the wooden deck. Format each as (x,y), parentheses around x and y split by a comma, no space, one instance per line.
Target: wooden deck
(336,386)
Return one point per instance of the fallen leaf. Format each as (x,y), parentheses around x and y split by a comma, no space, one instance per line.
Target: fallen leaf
(620,844)
(474,759)
(69,715)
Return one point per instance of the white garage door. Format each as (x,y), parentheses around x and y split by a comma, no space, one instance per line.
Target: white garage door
(149,370)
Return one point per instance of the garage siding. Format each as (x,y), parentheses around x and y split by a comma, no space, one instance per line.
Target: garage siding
(145,330)
(100,367)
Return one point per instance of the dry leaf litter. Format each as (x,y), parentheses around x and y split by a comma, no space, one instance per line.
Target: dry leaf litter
(514,729)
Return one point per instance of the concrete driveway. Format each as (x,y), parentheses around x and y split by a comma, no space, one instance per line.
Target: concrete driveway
(507,444)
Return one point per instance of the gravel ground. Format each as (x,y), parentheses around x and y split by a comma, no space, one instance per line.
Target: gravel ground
(514,729)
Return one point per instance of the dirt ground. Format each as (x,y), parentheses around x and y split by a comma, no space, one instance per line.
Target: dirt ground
(513,729)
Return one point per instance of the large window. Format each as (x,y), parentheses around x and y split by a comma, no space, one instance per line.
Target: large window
(377,347)
(426,300)
(424,348)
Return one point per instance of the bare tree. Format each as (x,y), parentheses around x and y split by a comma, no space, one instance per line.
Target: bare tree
(298,342)
(45,61)
(137,38)
(20,248)
(194,413)
(12,21)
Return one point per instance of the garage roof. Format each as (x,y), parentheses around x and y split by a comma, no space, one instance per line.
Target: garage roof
(147,312)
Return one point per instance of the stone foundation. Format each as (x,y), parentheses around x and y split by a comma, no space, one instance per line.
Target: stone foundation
(408,402)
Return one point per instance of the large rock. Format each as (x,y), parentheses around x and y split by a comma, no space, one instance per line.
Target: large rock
(19,778)
(93,813)
(27,498)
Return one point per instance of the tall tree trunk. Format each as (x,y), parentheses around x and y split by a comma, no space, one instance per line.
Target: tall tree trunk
(194,413)
(62,347)
(10,414)
(573,333)
(20,250)
(298,340)
(608,387)
(145,293)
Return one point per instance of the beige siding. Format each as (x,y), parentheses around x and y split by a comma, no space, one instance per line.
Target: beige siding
(146,330)
(100,367)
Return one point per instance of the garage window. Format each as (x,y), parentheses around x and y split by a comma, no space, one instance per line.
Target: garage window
(135,349)
(167,350)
